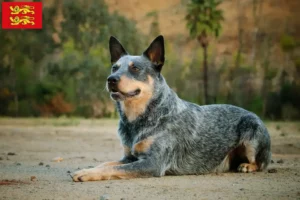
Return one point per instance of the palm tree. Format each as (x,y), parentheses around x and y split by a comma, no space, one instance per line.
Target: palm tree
(204,19)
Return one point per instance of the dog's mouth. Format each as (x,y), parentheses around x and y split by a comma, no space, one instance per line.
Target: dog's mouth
(119,95)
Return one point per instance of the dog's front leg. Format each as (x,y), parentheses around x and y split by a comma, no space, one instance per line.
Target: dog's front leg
(127,159)
(111,163)
(137,169)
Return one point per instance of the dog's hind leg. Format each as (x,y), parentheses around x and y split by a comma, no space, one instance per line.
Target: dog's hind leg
(254,149)
(249,153)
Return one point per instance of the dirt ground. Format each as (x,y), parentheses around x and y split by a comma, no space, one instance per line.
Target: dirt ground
(27,147)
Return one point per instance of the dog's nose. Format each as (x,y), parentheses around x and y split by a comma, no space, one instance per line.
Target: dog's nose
(112,80)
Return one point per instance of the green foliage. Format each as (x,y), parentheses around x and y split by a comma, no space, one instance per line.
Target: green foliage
(255,105)
(288,43)
(270,74)
(297,65)
(204,16)
(39,72)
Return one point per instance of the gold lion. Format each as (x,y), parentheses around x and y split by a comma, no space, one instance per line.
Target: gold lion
(21,20)
(23,10)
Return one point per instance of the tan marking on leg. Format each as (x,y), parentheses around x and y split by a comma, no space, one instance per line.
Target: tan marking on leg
(250,155)
(143,146)
(112,163)
(224,166)
(104,173)
(127,150)
(135,106)
(250,151)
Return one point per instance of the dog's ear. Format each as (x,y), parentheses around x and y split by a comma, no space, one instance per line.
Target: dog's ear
(156,52)
(116,49)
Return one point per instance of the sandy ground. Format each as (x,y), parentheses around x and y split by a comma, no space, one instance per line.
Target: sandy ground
(86,143)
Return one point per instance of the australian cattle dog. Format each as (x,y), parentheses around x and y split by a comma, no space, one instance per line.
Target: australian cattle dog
(165,135)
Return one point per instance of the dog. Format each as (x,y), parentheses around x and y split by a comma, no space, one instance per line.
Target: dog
(165,135)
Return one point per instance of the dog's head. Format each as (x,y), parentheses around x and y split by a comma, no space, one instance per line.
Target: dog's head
(132,77)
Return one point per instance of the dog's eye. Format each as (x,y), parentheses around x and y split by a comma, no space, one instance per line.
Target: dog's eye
(134,68)
(114,68)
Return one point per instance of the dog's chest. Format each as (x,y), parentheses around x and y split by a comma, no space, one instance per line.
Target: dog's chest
(130,134)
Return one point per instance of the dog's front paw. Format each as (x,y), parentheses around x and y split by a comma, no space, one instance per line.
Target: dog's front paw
(84,175)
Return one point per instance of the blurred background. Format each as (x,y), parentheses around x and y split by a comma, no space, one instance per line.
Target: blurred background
(241,52)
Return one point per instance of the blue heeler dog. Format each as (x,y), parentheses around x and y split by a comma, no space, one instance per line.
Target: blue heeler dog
(163,134)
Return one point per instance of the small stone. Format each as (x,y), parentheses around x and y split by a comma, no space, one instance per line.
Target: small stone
(272,170)
(107,186)
(272,161)
(122,199)
(57,159)
(104,197)
(280,161)
(41,163)
(1,158)
(47,165)
(69,172)
(242,189)
(33,178)
(18,164)
(11,154)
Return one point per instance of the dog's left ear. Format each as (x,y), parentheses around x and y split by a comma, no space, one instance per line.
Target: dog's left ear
(156,52)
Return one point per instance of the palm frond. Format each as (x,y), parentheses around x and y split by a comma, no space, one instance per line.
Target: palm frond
(203,15)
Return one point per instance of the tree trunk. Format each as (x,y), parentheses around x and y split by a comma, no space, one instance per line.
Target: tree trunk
(203,40)
(205,76)
(266,80)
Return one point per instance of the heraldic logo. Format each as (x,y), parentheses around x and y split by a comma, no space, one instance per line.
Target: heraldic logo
(22,15)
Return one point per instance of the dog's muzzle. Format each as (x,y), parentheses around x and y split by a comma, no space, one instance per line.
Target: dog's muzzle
(115,93)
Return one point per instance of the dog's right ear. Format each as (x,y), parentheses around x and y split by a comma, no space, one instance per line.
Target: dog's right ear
(156,52)
(116,49)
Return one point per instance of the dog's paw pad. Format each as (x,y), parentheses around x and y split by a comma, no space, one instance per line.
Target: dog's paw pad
(247,167)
